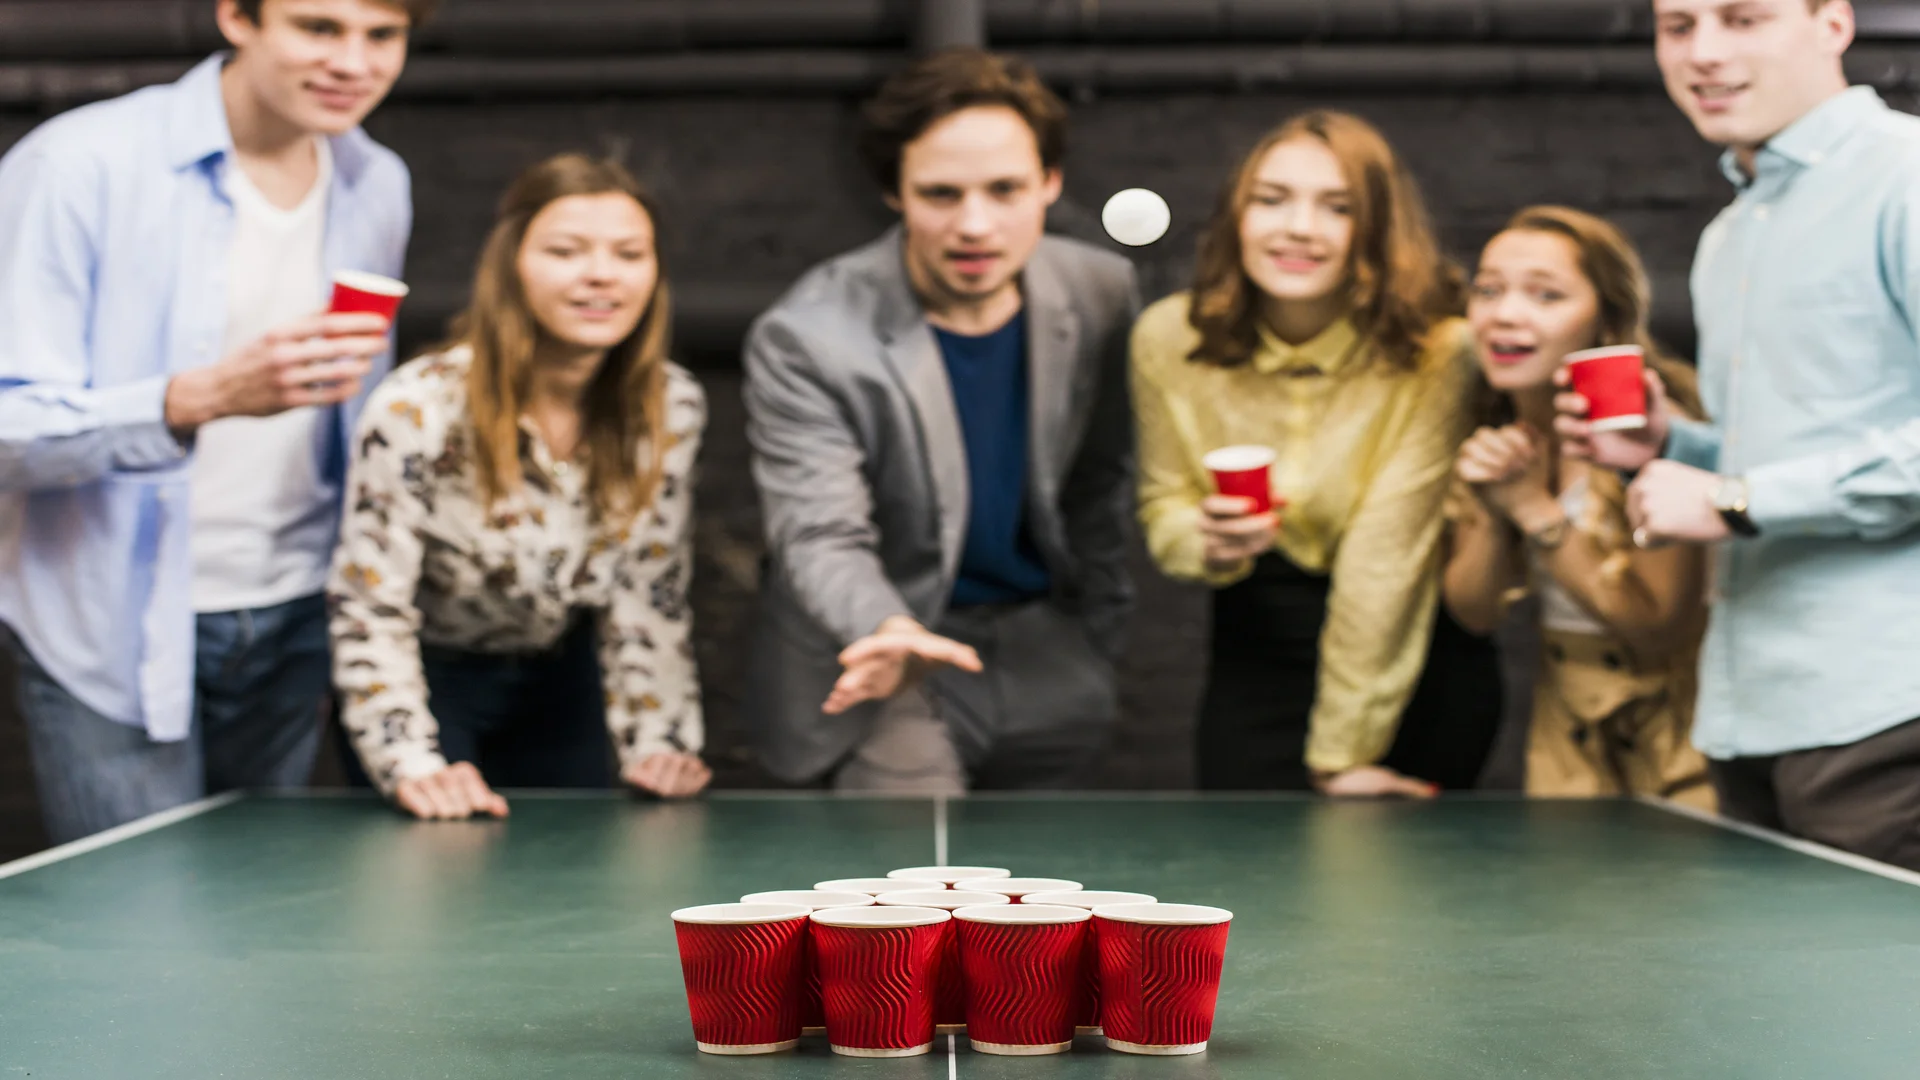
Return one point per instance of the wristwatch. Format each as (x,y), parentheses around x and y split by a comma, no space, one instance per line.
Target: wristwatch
(1730,499)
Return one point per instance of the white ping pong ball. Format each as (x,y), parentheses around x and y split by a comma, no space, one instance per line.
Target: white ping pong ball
(1136,217)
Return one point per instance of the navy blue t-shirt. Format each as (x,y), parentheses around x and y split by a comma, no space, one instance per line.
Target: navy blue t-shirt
(999,563)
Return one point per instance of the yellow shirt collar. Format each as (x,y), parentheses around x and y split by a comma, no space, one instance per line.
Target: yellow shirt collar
(1327,354)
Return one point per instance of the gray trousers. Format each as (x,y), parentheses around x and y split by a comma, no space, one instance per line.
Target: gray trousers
(1863,797)
(1038,717)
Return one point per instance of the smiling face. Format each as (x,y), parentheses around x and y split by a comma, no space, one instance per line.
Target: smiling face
(1531,305)
(319,65)
(587,268)
(973,199)
(1744,70)
(1297,231)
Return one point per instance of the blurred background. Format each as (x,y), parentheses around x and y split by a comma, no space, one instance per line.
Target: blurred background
(740,115)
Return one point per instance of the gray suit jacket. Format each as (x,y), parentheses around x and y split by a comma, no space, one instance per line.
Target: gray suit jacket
(858,455)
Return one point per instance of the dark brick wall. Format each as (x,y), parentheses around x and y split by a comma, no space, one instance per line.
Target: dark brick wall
(758,189)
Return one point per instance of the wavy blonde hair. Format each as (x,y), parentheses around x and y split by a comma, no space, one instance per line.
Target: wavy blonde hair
(624,406)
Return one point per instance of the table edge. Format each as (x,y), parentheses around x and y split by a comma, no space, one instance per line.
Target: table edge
(1791,843)
(112,836)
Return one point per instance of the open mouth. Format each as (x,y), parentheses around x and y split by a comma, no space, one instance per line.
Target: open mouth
(1507,354)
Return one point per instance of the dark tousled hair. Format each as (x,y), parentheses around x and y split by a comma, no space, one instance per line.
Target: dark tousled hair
(946,82)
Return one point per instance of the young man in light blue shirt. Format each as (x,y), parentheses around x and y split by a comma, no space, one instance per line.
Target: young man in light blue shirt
(1807,482)
(174,410)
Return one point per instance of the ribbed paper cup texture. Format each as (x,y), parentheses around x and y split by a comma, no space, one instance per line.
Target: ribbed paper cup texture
(1088,1011)
(877,970)
(948,875)
(744,970)
(1014,888)
(1023,968)
(1159,975)
(812,1017)
(949,985)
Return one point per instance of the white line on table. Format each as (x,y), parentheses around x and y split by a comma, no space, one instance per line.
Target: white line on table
(940,831)
(953,1058)
(116,834)
(1791,843)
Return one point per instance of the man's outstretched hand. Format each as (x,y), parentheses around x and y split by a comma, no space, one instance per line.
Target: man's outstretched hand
(879,665)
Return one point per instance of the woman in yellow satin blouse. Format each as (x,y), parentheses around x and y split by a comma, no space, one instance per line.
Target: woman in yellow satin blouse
(1321,326)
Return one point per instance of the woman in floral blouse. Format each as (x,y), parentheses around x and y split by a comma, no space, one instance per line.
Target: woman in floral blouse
(517,498)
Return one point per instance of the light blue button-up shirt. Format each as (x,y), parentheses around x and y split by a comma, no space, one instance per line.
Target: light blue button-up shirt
(115,229)
(1806,290)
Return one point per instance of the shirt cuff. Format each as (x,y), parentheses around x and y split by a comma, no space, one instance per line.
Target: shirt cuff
(1690,442)
(136,414)
(1798,497)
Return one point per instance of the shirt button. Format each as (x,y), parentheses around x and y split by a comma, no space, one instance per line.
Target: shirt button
(1760,212)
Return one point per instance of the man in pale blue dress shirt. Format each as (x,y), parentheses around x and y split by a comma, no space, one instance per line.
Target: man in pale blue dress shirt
(174,410)
(1806,291)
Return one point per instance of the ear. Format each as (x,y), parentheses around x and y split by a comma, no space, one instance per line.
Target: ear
(1837,25)
(892,199)
(234,25)
(1051,186)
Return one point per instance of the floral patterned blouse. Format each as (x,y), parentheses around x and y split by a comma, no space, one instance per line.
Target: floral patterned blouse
(422,558)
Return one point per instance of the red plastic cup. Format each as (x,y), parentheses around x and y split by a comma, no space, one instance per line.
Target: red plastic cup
(1244,472)
(812,1017)
(877,977)
(1013,888)
(1160,975)
(872,886)
(1613,382)
(743,968)
(1089,1009)
(946,876)
(1023,965)
(949,982)
(357,290)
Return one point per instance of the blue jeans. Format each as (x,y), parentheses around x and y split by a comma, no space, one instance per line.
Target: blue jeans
(259,679)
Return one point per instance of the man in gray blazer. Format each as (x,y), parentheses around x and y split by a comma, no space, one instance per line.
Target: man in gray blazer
(943,446)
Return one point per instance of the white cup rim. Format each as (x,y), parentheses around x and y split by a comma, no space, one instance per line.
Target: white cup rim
(869,885)
(377,284)
(1164,914)
(1604,352)
(741,914)
(944,899)
(1090,898)
(947,875)
(1239,458)
(879,918)
(813,899)
(1019,886)
(1022,914)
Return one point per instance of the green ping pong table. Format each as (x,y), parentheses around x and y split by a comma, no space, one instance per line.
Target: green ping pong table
(327,937)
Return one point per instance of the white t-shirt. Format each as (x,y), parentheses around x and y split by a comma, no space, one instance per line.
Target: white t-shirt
(264,517)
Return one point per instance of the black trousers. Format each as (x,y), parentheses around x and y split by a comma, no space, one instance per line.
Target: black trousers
(1262,676)
(526,720)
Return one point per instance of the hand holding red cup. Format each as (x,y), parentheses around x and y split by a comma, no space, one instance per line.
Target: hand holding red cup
(1244,472)
(357,290)
(1613,380)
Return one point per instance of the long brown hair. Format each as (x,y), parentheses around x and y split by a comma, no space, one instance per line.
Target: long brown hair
(1608,260)
(624,405)
(1398,283)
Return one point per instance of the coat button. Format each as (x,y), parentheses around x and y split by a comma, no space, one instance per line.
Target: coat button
(1613,661)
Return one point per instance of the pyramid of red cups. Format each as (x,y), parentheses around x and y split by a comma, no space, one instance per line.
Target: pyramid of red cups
(878,967)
